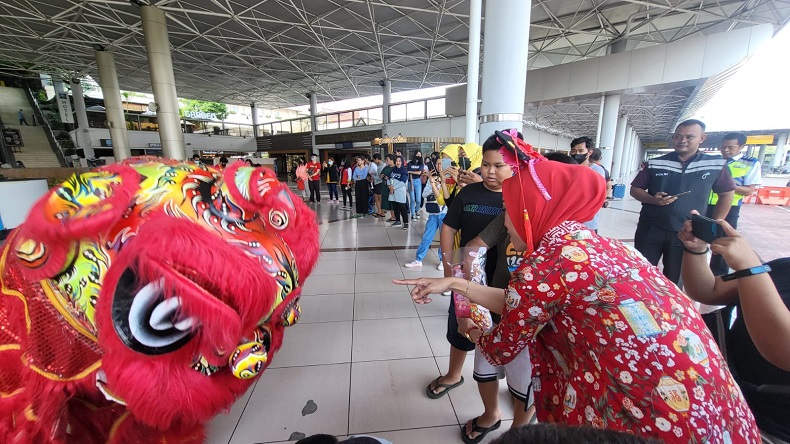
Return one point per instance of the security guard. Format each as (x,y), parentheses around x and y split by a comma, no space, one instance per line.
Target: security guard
(672,185)
(747,174)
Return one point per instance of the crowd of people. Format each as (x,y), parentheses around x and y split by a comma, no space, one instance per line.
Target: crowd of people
(593,339)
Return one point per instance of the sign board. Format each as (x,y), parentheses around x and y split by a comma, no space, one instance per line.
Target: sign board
(107,143)
(155,145)
(655,145)
(760,139)
(200,115)
(12,137)
(64,106)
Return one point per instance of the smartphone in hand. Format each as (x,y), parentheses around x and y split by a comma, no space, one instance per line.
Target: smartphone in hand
(705,228)
(679,194)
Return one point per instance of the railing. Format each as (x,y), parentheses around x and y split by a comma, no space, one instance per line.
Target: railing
(53,142)
(7,154)
(422,109)
(137,122)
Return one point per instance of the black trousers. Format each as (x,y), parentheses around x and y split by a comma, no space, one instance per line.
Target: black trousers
(717,264)
(401,212)
(362,191)
(347,193)
(656,243)
(315,190)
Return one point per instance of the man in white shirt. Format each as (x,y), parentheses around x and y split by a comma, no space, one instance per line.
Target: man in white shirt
(747,173)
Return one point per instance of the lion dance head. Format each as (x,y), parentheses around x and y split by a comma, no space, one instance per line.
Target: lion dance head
(147,296)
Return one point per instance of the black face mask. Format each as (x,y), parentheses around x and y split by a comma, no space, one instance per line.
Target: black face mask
(580,158)
(418,160)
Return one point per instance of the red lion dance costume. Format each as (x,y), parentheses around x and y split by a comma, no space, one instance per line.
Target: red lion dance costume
(140,300)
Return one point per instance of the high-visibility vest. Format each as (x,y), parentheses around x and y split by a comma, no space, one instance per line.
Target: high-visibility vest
(738,168)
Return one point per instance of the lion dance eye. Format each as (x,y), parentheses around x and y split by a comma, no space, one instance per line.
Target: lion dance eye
(278,219)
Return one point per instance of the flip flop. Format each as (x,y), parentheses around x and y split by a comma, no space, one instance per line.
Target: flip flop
(483,431)
(436,385)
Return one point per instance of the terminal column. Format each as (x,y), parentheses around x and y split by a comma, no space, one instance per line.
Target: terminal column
(619,154)
(254,112)
(108,80)
(761,154)
(473,70)
(504,66)
(608,118)
(628,146)
(386,92)
(313,111)
(82,134)
(160,67)
(781,151)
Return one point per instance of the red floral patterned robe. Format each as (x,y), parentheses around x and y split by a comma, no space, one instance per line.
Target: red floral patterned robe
(615,344)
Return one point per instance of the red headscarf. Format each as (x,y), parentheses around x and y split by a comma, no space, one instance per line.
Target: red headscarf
(543,194)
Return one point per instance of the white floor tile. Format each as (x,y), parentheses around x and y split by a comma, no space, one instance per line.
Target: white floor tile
(373,282)
(389,265)
(436,331)
(383,339)
(389,395)
(327,308)
(220,429)
(313,344)
(384,305)
(466,398)
(276,406)
(340,283)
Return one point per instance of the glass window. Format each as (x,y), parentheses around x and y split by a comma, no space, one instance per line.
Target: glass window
(415,110)
(398,113)
(346,120)
(361,118)
(375,116)
(435,107)
(320,123)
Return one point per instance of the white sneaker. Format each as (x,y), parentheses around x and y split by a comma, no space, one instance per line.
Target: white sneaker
(440,267)
(417,217)
(413,264)
(447,293)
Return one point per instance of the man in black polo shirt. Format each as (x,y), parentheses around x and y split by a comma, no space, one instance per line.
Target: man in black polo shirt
(660,182)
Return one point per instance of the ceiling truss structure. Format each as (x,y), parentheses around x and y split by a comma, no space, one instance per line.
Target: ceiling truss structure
(274,51)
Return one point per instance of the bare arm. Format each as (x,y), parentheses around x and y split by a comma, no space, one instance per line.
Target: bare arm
(723,205)
(765,314)
(698,281)
(745,190)
(447,241)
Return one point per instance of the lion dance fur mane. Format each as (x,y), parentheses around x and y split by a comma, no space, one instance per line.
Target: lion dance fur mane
(140,300)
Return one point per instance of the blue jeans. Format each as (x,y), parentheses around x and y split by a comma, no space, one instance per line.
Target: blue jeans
(415,196)
(432,225)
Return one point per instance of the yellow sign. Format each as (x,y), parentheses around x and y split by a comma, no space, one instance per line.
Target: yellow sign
(655,145)
(760,139)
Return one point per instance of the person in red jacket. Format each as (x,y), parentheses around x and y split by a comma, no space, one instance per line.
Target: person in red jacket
(314,172)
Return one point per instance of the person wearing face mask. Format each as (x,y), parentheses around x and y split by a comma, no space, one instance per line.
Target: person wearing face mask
(332,176)
(415,168)
(581,151)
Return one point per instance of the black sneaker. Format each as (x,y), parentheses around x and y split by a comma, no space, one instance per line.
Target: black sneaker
(406,226)
(396,224)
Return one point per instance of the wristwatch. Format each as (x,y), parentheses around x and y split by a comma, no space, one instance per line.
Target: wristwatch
(747,272)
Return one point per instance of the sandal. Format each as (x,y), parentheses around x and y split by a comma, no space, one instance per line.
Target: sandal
(483,431)
(435,385)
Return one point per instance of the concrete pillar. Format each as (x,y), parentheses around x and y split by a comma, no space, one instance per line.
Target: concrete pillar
(761,154)
(160,67)
(600,122)
(313,124)
(619,163)
(611,111)
(386,92)
(781,151)
(108,80)
(82,135)
(504,85)
(627,148)
(473,70)
(254,112)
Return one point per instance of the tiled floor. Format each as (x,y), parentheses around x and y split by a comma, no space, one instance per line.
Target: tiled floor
(363,352)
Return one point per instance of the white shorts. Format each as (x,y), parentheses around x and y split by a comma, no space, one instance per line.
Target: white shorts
(517,372)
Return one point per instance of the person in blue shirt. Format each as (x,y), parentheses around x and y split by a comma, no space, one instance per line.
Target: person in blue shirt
(21,116)
(361,186)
